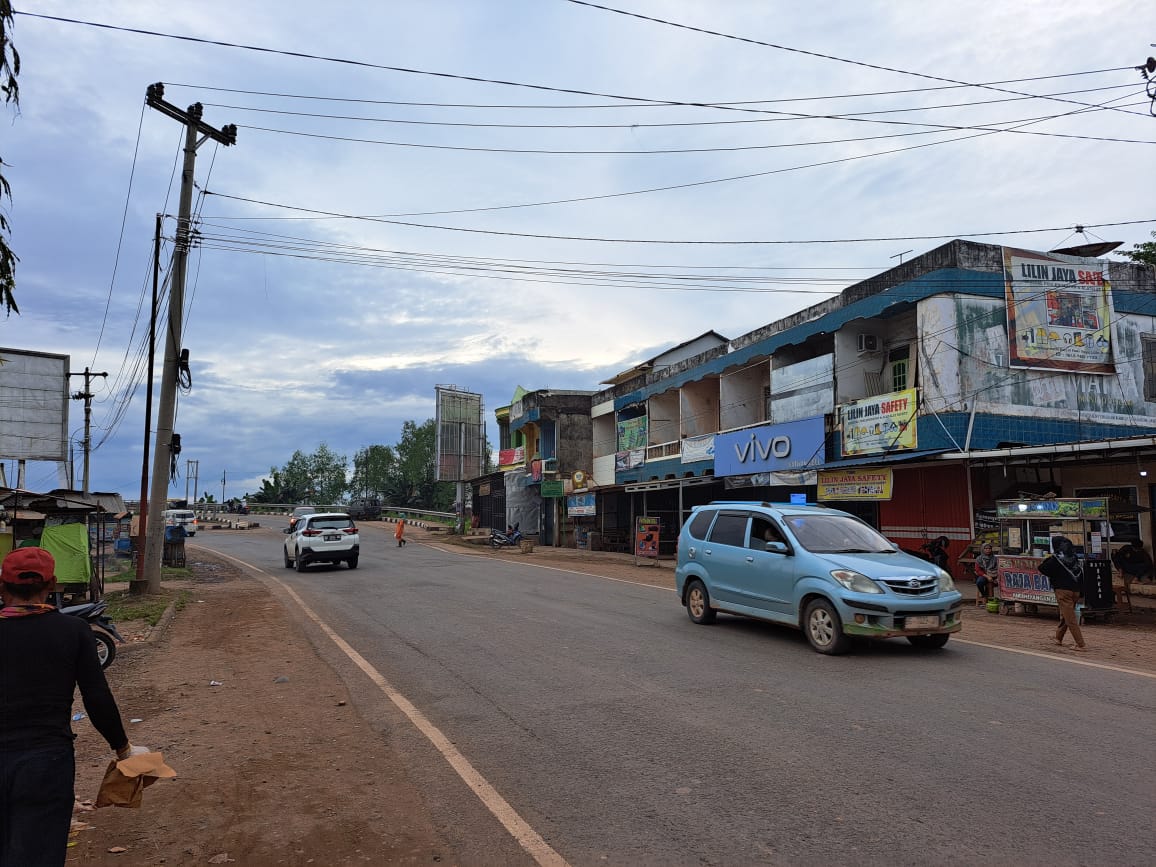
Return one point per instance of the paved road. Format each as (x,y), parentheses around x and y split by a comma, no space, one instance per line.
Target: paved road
(623,734)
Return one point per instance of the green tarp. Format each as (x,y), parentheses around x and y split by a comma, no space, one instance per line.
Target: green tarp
(68,543)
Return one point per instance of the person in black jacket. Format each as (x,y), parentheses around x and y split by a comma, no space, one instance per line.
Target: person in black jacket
(44,656)
(1065,573)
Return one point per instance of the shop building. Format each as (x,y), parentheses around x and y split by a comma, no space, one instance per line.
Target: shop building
(915,399)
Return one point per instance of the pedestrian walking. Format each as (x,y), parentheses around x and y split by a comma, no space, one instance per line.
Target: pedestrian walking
(44,656)
(399,532)
(1065,573)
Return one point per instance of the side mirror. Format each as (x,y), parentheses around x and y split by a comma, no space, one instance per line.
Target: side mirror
(777,548)
(287,530)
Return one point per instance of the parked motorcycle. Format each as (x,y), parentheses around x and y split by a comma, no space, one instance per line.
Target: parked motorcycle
(511,538)
(103,629)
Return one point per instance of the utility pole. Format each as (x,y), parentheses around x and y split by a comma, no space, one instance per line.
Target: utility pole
(87,396)
(167,443)
(192,471)
(223,472)
(139,584)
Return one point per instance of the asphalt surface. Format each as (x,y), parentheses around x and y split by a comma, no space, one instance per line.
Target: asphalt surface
(624,734)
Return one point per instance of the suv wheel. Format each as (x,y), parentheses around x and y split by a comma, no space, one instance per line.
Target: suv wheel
(299,561)
(352,561)
(698,603)
(288,562)
(824,628)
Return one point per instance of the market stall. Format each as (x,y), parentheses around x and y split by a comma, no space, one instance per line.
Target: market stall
(1027,529)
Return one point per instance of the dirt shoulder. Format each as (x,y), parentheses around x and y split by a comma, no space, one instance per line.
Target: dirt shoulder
(265,759)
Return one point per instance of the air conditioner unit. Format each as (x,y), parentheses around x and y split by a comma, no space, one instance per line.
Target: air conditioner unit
(869,343)
(549,465)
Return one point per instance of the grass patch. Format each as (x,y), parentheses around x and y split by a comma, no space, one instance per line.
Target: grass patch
(123,606)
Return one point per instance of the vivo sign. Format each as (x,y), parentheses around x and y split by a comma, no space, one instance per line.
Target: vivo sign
(773,448)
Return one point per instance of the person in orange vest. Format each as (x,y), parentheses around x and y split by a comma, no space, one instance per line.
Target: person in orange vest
(399,532)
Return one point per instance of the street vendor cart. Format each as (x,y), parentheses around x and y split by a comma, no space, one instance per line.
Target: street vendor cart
(1027,528)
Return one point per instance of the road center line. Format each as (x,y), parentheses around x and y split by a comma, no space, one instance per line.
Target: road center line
(529,839)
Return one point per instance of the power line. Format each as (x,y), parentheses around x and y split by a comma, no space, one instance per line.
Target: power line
(860,240)
(818,54)
(480,79)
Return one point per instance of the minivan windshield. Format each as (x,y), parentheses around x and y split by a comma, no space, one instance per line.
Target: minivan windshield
(837,534)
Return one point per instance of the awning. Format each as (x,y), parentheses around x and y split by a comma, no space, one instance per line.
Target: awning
(884,459)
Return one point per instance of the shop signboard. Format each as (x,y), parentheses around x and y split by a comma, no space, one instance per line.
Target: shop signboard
(1020,580)
(698,449)
(553,488)
(794,445)
(1058,508)
(855,485)
(512,457)
(579,505)
(629,460)
(632,433)
(1059,312)
(879,424)
(646,537)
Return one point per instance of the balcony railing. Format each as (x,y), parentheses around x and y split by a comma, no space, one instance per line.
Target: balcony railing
(664,450)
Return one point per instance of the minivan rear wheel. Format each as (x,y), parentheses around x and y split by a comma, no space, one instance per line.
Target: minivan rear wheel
(698,603)
(824,628)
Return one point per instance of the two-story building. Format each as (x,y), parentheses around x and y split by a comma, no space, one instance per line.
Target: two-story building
(915,399)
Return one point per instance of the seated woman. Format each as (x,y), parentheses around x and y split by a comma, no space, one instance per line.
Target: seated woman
(985,571)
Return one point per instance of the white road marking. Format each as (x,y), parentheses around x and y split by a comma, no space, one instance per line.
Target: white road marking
(559,569)
(529,839)
(1054,658)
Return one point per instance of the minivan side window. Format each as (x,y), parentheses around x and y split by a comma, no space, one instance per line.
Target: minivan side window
(700,523)
(763,531)
(730,529)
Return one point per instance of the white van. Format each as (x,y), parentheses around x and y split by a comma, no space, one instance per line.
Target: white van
(186,518)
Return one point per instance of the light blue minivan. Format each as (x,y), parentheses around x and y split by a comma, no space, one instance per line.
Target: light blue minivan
(817,569)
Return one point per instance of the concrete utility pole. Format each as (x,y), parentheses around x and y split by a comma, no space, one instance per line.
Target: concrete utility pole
(87,396)
(223,473)
(167,443)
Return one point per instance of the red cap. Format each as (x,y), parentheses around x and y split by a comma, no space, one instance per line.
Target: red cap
(27,566)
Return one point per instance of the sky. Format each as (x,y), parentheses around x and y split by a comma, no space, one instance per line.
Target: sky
(494,193)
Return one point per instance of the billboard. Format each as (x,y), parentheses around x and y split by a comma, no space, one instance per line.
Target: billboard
(1059,312)
(33,405)
(879,424)
(461,434)
(854,485)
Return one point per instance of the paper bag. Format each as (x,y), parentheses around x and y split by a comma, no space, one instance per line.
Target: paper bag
(125,781)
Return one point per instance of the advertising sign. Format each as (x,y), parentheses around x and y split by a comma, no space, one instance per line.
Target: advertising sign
(1059,312)
(632,434)
(878,424)
(629,460)
(1058,508)
(854,485)
(578,505)
(461,434)
(646,537)
(794,445)
(33,405)
(1021,581)
(512,457)
(698,449)
(553,489)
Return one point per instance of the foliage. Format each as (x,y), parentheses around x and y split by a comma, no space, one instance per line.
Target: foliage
(374,470)
(314,478)
(1143,253)
(9,71)
(417,455)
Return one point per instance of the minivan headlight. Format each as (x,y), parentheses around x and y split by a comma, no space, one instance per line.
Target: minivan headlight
(856,581)
(946,585)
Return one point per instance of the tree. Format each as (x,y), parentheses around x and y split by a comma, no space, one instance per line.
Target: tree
(316,478)
(374,469)
(1143,253)
(416,455)
(9,71)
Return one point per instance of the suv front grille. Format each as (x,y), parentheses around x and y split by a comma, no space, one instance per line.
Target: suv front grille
(925,585)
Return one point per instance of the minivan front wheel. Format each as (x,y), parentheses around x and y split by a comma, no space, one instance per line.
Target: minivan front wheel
(698,603)
(824,628)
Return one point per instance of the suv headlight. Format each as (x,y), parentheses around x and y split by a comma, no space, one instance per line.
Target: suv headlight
(946,585)
(856,581)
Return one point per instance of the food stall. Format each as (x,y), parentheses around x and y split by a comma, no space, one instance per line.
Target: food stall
(1027,528)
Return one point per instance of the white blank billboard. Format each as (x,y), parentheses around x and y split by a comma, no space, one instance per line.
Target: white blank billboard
(461,435)
(33,405)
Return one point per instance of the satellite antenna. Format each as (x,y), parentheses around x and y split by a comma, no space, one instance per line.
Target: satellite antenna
(1089,249)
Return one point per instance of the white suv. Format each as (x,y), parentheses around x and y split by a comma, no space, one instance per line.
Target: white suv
(186,518)
(323,537)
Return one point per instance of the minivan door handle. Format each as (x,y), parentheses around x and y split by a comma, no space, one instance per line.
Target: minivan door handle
(750,559)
